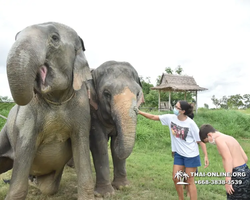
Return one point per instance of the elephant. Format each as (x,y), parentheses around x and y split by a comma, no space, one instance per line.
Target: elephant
(115,91)
(47,73)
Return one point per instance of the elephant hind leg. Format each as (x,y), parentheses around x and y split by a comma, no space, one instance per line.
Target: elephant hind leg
(71,163)
(48,184)
(5,164)
(5,147)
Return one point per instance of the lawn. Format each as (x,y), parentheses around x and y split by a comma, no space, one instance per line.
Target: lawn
(149,167)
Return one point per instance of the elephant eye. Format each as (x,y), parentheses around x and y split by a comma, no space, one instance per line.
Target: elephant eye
(107,94)
(138,94)
(55,38)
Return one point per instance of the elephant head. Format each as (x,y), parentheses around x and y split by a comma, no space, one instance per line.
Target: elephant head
(43,59)
(118,91)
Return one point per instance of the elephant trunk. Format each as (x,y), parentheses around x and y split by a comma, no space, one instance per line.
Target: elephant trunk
(25,58)
(126,121)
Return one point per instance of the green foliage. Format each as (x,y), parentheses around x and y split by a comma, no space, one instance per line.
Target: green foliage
(206,106)
(232,102)
(4,111)
(150,96)
(235,101)
(5,99)
(146,85)
(245,111)
(148,130)
(215,101)
(246,100)
(176,96)
(168,70)
(179,70)
(5,106)
(158,81)
(231,122)
(151,99)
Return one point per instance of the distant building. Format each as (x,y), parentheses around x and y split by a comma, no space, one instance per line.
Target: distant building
(176,83)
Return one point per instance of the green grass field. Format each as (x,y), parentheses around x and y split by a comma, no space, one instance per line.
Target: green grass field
(149,167)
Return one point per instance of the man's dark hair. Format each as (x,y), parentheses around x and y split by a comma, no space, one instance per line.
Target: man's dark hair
(204,130)
(187,107)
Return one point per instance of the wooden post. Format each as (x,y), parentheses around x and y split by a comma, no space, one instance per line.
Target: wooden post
(169,100)
(196,104)
(159,100)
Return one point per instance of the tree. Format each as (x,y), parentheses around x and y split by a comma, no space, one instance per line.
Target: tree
(235,101)
(158,80)
(206,106)
(246,99)
(179,70)
(150,96)
(168,70)
(151,99)
(5,99)
(215,101)
(223,102)
(232,102)
(146,85)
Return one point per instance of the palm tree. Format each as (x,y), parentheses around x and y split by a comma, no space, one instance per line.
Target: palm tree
(185,176)
(178,174)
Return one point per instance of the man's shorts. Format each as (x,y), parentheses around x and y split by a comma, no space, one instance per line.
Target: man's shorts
(187,162)
(242,189)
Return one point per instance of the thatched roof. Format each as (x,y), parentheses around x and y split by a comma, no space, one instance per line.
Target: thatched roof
(170,82)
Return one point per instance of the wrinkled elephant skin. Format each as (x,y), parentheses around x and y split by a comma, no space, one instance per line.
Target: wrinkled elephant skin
(46,70)
(117,91)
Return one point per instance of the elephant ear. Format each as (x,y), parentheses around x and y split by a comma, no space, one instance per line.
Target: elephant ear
(92,94)
(82,44)
(17,35)
(81,69)
(141,97)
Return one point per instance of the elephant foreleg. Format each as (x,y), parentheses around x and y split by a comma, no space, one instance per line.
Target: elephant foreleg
(82,162)
(120,174)
(99,150)
(21,168)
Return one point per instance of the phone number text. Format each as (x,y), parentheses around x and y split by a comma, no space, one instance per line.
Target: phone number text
(218,182)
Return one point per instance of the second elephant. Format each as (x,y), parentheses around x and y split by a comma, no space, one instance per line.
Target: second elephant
(117,91)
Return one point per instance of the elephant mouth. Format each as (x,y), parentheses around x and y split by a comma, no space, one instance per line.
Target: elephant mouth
(41,78)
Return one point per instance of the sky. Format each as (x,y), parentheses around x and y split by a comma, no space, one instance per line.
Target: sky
(209,39)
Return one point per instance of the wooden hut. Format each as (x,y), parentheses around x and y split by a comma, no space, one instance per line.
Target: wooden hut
(177,83)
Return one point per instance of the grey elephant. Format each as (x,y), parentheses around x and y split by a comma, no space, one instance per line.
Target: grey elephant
(46,69)
(117,91)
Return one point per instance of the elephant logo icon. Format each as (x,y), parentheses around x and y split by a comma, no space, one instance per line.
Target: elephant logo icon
(182,177)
